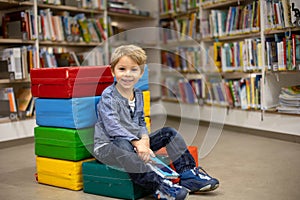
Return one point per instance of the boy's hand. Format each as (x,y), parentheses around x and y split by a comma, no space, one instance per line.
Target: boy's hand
(143,148)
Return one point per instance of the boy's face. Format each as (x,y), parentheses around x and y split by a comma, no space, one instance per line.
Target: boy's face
(127,72)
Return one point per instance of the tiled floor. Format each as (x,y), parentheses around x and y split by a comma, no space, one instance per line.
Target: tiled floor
(249,167)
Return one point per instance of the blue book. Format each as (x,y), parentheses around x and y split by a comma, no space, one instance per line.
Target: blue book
(162,169)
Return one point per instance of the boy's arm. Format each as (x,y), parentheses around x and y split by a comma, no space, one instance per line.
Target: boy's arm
(111,119)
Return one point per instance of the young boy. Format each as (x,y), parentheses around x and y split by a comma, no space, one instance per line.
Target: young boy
(121,138)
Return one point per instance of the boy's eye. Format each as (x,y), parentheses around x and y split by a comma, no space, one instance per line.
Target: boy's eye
(121,68)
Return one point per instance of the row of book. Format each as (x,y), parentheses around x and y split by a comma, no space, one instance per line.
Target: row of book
(234,20)
(184,90)
(17,104)
(17,62)
(70,28)
(123,6)
(21,25)
(184,59)
(289,100)
(242,93)
(281,13)
(242,55)
(283,53)
(180,29)
(88,4)
(177,6)
(57,57)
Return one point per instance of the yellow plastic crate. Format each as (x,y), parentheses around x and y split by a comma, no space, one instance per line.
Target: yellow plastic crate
(60,173)
(148,123)
(146,95)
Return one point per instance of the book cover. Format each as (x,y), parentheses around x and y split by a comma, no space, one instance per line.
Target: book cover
(10,96)
(295,12)
(13,57)
(295,51)
(23,97)
(162,169)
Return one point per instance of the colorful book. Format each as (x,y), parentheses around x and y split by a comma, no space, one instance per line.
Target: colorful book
(162,169)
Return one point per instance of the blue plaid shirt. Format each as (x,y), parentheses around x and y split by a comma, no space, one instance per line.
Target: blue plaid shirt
(115,118)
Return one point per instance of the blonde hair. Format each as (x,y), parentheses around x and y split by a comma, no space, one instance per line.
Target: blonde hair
(136,53)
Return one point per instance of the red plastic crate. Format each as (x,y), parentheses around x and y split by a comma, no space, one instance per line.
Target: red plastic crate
(68,82)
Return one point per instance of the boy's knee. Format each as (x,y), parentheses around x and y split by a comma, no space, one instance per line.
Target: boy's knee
(170,130)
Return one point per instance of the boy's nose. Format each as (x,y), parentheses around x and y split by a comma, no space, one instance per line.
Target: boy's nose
(128,72)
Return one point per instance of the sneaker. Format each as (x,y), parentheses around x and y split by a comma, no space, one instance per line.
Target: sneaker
(197,180)
(169,191)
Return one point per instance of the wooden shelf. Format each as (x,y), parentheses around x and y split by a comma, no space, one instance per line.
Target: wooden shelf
(71,44)
(70,9)
(7,81)
(284,72)
(282,30)
(219,4)
(233,37)
(8,4)
(236,75)
(178,14)
(126,16)
(15,41)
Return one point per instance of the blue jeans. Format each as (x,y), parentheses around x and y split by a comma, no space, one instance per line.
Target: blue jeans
(121,153)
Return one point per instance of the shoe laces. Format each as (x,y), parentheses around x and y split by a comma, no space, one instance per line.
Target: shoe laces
(167,188)
(199,171)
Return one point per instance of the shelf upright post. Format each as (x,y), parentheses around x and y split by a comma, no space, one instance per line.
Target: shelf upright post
(37,40)
(263,69)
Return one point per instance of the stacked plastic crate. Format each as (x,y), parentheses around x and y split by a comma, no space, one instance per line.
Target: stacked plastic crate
(65,114)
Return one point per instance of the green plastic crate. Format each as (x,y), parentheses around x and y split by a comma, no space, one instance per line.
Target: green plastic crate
(103,180)
(63,143)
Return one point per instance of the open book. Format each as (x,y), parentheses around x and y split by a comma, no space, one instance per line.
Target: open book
(162,169)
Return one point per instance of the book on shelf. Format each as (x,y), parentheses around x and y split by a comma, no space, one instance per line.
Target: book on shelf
(234,20)
(283,53)
(162,169)
(4,104)
(166,7)
(19,24)
(289,100)
(295,51)
(4,73)
(23,96)
(281,14)
(295,12)
(87,4)
(7,94)
(14,59)
(66,59)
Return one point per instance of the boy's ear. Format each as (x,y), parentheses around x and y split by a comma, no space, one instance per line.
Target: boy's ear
(112,72)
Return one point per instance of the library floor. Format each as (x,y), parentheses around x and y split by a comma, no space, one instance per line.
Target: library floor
(249,167)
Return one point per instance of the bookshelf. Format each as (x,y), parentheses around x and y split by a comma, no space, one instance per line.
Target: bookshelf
(262,84)
(142,14)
